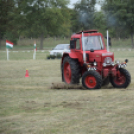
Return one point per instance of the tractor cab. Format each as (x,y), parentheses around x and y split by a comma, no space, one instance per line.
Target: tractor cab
(92,41)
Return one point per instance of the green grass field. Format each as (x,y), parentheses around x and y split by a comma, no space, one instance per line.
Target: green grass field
(30,106)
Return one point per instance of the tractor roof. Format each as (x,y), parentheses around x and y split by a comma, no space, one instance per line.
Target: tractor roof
(88,31)
(78,35)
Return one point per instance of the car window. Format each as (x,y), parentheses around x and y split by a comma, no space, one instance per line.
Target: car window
(67,47)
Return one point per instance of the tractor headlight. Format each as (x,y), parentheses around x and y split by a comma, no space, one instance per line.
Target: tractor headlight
(95,63)
(104,64)
(108,60)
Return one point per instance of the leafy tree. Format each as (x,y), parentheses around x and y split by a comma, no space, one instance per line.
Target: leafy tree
(120,14)
(11,19)
(85,10)
(6,8)
(64,28)
(99,22)
(33,18)
(75,24)
(44,18)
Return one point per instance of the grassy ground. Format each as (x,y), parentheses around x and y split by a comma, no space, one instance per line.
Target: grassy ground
(30,106)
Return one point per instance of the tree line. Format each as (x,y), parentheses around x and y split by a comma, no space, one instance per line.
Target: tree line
(45,18)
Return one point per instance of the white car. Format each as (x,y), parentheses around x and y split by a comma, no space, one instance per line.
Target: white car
(60,49)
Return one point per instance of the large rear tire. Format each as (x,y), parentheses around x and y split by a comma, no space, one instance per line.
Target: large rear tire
(123,81)
(71,70)
(91,80)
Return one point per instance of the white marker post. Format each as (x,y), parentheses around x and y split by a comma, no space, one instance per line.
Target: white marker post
(83,45)
(34,53)
(9,45)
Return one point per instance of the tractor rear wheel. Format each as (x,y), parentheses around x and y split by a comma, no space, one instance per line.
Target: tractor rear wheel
(91,80)
(71,70)
(121,81)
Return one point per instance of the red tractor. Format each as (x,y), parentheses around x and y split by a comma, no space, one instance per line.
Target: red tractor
(89,59)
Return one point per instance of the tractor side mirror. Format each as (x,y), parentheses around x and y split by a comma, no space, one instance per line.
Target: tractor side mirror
(72,44)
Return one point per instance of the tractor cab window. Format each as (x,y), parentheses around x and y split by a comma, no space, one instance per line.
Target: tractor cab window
(93,42)
(78,44)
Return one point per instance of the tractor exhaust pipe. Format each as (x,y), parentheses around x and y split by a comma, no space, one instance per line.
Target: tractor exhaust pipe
(83,46)
(107,42)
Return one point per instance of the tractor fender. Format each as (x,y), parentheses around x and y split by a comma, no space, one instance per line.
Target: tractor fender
(71,55)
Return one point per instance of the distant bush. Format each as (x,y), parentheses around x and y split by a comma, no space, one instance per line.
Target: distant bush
(54,57)
(59,55)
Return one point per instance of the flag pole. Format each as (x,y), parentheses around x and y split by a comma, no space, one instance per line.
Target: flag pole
(9,45)
(7,54)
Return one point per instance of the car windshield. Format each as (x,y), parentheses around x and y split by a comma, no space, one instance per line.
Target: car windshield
(93,42)
(61,47)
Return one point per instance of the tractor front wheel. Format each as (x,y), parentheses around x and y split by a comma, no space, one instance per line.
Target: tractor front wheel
(91,80)
(121,81)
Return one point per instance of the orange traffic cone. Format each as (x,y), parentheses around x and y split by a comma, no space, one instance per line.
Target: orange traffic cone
(27,74)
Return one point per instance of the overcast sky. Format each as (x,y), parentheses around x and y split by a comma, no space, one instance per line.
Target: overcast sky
(75,1)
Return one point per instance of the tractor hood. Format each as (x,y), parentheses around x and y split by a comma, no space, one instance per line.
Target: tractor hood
(99,56)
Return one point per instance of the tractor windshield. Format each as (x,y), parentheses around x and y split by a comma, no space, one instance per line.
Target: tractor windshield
(93,42)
